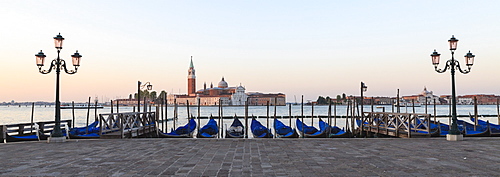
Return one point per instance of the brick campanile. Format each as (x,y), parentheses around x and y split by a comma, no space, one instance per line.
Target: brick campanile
(191,79)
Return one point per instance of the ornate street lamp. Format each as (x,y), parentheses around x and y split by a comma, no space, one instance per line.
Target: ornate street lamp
(452,64)
(139,88)
(58,64)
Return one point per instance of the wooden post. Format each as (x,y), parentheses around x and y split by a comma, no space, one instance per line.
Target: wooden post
(498,111)
(145,108)
(392,106)
(199,125)
(95,111)
(166,115)
(312,113)
(175,113)
(222,114)
(73,112)
(329,112)
(397,101)
(290,115)
(435,111)
(475,114)
(88,114)
(302,114)
(353,112)
(220,122)
(269,128)
(33,112)
(335,114)
(267,117)
(347,116)
(373,102)
(112,106)
(189,115)
(413,105)
(425,105)
(246,118)
(117,106)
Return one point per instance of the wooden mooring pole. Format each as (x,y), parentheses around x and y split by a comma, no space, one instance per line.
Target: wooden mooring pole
(32,114)
(267,115)
(475,114)
(199,125)
(302,114)
(312,113)
(434,110)
(88,114)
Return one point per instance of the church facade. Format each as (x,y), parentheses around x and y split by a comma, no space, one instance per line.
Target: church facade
(222,94)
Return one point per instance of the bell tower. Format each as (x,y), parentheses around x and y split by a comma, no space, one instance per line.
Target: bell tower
(191,79)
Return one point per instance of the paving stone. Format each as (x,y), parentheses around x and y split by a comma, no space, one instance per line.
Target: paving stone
(253,157)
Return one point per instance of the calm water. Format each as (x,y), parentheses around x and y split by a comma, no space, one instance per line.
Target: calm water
(15,114)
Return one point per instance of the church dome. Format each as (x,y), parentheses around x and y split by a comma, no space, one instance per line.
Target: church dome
(222,83)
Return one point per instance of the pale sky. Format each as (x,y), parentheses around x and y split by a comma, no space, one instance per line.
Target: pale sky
(308,48)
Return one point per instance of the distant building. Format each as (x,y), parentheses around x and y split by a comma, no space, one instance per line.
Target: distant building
(422,98)
(481,99)
(222,94)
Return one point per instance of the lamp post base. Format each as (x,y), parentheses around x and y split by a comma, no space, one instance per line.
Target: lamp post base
(451,137)
(56,139)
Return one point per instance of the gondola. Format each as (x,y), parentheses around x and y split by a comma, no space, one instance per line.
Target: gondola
(185,131)
(336,132)
(36,136)
(481,131)
(236,130)
(283,131)
(494,128)
(312,132)
(259,130)
(210,130)
(88,132)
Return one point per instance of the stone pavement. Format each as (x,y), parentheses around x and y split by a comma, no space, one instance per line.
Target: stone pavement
(253,157)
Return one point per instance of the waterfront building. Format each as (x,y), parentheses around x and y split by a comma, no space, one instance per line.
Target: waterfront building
(222,94)
(421,98)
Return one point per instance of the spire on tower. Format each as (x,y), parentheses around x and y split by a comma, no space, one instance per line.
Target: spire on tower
(191,65)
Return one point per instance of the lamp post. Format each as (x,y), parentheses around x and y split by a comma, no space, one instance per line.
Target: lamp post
(452,64)
(58,64)
(139,88)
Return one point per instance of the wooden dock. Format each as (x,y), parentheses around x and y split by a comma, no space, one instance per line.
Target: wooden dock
(403,125)
(128,125)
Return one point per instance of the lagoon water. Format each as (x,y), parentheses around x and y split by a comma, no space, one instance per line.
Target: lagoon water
(16,114)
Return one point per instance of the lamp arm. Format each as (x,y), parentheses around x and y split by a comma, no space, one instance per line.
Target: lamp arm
(52,65)
(144,85)
(460,69)
(448,63)
(63,66)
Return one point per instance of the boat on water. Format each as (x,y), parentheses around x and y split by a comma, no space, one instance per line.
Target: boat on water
(312,132)
(236,130)
(210,130)
(283,131)
(185,131)
(35,136)
(481,131)
(259,130)
(407,104)
(336,132)
(88,132)
(494,128)
(81,106)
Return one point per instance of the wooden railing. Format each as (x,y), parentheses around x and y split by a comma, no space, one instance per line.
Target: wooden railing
(396,124)
(28,128)
(130,124)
